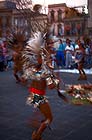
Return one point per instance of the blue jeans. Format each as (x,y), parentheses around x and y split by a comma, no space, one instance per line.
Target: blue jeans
(60,58)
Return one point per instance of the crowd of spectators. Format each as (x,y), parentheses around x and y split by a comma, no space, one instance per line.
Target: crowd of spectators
(6,60)
(65,53)
(63,57)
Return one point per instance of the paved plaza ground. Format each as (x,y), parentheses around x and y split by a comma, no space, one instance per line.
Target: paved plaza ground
(70,122)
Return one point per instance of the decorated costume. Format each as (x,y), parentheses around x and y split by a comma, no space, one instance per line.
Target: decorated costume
(79,60)
(17,43)
(80,94)
(37,67)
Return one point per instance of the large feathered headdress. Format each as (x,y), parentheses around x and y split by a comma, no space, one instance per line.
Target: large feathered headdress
(17,39)
(36,46)
(32,50)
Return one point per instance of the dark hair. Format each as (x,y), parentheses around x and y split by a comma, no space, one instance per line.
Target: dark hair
(60,40)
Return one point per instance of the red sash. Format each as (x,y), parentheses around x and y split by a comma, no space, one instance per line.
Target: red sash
(37,91)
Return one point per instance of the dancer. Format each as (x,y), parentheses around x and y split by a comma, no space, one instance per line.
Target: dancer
(17,43)
(36,68)
(37,93)
(79,60)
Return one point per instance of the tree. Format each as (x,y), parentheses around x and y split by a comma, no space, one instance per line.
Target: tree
(32,14)
(72,12)
(37,8)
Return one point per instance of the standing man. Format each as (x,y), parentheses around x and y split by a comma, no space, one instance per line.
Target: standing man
(69,51)
(60,57)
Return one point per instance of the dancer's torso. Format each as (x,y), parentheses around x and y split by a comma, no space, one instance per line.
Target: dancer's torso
(39,84)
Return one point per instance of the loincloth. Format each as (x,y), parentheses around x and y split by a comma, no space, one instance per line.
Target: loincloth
(36,99)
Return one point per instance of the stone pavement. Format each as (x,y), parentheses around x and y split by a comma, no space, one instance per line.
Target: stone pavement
(70,122)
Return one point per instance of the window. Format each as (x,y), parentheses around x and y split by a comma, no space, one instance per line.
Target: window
(16,22)
(73,29)
(59,15)
(60,31)
(52,16)
(67,29)
(90,31)
(78,27)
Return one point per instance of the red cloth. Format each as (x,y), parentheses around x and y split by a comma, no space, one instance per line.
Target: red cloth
(37,91)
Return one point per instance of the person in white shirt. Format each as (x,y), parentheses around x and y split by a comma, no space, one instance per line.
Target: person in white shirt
(69,50)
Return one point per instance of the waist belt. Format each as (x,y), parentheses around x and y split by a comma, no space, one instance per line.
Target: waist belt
(37,91)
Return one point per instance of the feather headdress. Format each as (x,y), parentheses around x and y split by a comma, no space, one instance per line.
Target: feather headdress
(32,50)
(17,39)
(37,45)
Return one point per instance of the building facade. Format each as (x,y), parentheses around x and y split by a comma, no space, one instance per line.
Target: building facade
(90,17)
(6,12)
(13,19)
(56,14)
(68,22)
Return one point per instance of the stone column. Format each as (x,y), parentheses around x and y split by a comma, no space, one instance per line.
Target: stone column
(4,26)
(56,16)
(90,13)
(55,29)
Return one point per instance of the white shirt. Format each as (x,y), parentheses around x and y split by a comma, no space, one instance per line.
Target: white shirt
(69,49)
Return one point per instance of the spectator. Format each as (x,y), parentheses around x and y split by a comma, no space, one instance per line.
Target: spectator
(79,59)
(10,59)
(88,53)
(5,53)
(69,51)
(1,59)
(60,58)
